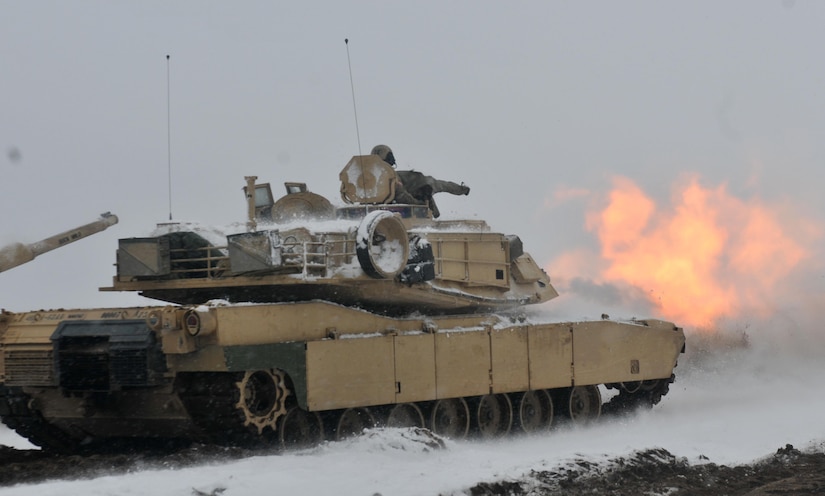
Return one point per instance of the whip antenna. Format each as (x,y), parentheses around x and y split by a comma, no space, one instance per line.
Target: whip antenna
(169,135)
(352,86)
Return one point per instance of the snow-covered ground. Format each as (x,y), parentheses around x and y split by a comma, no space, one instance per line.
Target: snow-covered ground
(729,407)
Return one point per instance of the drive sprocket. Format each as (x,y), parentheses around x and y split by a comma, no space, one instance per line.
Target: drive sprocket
(262,398)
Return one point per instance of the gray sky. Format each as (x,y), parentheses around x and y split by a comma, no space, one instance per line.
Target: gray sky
(520,100)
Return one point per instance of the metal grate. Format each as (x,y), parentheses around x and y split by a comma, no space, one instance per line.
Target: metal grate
(84,363)
(29,367)
(129,367)
(102,356)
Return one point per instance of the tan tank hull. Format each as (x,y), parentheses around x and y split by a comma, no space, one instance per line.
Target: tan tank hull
(289,373)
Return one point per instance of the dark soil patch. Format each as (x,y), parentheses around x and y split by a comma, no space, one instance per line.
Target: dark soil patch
(658,472)
(29,466)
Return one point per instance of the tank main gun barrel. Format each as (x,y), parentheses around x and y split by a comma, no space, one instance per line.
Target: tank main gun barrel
(18,253)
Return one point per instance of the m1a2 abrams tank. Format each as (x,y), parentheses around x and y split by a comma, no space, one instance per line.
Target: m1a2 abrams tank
(313,321)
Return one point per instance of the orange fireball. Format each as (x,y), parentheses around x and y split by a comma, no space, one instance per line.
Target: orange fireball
(707,255)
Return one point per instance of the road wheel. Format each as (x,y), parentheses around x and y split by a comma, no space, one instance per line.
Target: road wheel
(405,415)
(583,404)
(450,418)
(300,429)
(352,422)
(493,414)
(534,410)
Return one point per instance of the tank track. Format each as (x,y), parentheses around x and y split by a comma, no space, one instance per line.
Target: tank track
(211,400)
(17,415)
(646,396)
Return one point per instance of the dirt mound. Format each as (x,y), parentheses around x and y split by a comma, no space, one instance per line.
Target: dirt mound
(658,472)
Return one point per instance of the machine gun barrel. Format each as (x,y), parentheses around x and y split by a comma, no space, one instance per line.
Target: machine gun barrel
(18,253)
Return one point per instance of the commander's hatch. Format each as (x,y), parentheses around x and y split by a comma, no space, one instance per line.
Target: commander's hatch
(297,204)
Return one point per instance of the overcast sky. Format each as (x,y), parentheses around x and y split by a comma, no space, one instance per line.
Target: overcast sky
(537,106)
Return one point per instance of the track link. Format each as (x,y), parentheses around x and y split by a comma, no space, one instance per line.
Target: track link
(211,399)
(647,395)
(17,415)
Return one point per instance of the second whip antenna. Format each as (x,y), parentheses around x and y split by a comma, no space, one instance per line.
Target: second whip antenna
(354,107)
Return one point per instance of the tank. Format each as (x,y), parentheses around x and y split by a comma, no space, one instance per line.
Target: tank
(311,321)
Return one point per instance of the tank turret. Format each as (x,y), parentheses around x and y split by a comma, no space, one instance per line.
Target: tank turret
(18,253)
(373,252)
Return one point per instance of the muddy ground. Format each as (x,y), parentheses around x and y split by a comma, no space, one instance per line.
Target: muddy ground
(651,472)
(658,472)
